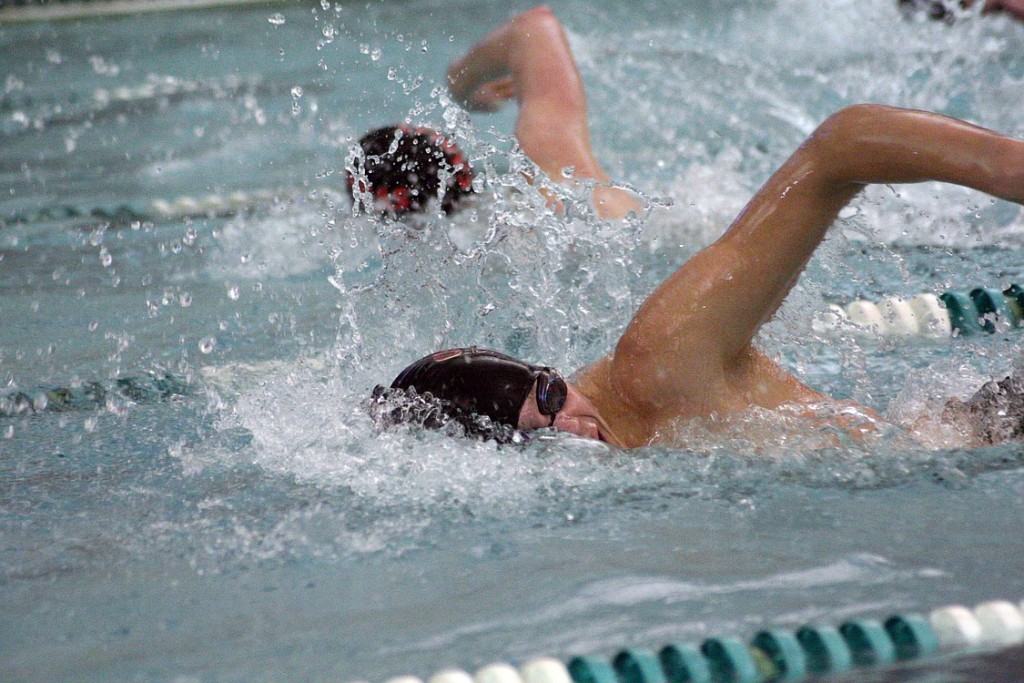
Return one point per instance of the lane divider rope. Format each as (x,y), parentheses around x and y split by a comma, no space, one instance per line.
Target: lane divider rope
(776,654)
(982,309)
(212,205)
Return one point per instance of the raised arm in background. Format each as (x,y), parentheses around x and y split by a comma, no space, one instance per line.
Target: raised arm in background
(528,59)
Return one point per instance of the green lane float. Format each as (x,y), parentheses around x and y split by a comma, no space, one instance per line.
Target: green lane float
(785,653)
(591,670)
(684,663)
(731,661)
(912,635)
(826,650)
(869,643)
(638,666)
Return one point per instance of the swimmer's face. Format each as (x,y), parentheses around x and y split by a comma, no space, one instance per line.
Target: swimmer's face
(578,416)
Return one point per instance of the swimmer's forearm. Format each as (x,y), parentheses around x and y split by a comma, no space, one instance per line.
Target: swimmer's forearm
(867,144)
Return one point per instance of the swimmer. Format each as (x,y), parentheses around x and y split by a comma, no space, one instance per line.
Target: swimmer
(945,10)
(1014,8)
(527,60)
(688,351)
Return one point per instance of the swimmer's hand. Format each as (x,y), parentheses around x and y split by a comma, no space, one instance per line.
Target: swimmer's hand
(490,96)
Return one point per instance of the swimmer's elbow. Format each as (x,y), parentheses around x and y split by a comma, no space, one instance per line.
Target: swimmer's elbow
(538,13)
(1008,171)
(848,146)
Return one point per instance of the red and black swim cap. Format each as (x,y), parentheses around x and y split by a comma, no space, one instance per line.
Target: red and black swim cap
(402,168)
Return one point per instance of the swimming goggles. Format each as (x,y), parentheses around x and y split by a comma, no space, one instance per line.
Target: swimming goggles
(551,393)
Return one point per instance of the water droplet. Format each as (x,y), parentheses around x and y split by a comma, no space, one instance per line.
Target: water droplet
(105,258)
(392,74)
(116,406)
(375,54)
(276,18)
(296,92)
(234,292)
(207,344)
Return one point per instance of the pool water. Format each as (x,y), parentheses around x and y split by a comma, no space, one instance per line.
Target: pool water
(190,485)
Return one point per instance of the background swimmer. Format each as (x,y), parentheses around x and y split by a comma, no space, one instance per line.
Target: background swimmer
(945,10)
(527,60)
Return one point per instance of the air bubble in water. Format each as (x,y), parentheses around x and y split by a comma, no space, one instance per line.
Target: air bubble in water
(276,19)
(207,344)
(375,54)
(185,299)
(105,258)
(233,292)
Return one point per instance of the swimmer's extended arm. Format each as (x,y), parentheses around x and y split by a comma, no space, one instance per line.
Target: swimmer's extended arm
(528,58)
(695,329)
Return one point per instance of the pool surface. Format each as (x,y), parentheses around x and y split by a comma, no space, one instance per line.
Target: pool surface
(191,319)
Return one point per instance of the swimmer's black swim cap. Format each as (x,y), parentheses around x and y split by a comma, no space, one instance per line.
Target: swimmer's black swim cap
(403,167)
(474,381)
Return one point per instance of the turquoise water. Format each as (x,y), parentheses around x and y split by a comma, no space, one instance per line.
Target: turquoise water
(208,500)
